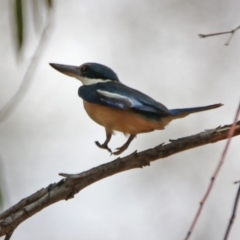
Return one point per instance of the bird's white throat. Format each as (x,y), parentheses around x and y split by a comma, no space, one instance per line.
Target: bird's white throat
(90,81)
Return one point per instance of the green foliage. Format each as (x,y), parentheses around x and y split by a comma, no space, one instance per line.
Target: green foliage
(39,8)
(50,3)
(18,8)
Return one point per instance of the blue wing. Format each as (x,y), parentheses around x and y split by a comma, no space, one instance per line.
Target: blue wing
(118,95)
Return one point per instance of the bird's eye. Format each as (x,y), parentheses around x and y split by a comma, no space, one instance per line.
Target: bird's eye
(85,68)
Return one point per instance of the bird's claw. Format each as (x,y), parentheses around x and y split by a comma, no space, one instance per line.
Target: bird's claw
(103,146)
(119,150)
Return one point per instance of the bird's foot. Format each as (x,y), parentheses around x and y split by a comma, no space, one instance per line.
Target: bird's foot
(124,146)
(103,146)
(120,150)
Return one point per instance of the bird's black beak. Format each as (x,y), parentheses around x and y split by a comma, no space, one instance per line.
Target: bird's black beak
(69,70)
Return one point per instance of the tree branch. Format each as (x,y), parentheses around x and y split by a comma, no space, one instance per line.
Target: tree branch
(215,174)
(73,183)
(234,213)
(231,32)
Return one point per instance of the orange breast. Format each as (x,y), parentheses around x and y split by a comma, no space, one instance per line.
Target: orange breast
(122,120)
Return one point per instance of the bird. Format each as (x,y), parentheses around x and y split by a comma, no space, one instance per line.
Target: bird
(117,107)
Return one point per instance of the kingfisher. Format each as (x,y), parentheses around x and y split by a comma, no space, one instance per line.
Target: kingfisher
(117,107)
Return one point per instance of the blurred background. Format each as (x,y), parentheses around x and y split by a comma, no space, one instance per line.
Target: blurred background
(152,46)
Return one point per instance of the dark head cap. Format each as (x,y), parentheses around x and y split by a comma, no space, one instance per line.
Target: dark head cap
(98,71)
(88,73)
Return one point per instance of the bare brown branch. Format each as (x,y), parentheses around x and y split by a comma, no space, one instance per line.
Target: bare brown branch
(234,213)
(231,32)
(73,183)
(215,174)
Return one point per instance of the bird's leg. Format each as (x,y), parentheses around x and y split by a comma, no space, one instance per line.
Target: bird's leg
(105,144)
(124,146)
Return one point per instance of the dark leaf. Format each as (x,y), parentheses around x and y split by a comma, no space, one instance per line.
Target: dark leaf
(19,23)
(49,3)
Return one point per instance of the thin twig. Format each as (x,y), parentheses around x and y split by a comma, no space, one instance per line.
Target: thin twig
(221,33)
(215,174)
(28,76)
(234,213)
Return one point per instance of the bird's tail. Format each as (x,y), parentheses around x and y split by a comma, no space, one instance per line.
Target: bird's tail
(183,112)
